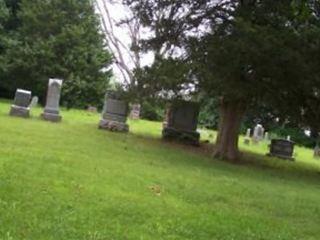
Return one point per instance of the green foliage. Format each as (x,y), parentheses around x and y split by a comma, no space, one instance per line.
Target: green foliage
(209,113)
(297,135)
(4,15)
(152,111)
(59,38)
(246,53)
(73,181)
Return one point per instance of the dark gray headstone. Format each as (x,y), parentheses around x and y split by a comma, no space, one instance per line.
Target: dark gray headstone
(181,122)
(282,149)
(22,98)
(116,107)
(114,115)
(183,116)
(51,111)
(20,107)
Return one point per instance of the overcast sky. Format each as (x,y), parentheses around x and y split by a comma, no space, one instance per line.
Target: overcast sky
(119,12)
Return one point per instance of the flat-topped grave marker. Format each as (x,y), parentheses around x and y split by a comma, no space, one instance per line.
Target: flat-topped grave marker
(51,111)
(181,122)
(282,149)
(114,115)
(247,137)
(20,106)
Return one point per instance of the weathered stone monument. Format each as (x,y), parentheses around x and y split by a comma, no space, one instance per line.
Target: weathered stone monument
(114,115)
(258,133)
(51,112)
(316,153)
(92,109)
(266,136)
(135,111)
(20,106)
(282,149)
(247,137)
(34,102)
(181,122)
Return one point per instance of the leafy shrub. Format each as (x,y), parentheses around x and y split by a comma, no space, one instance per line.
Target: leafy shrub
(297,135)
(152,111)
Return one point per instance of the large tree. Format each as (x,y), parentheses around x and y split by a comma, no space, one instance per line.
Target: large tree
(58,38)
(4,16)
(244,52)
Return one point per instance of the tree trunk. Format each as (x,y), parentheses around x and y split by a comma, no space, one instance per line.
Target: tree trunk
(231,114)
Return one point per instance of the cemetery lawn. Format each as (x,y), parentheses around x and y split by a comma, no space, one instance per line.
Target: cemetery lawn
(73,181)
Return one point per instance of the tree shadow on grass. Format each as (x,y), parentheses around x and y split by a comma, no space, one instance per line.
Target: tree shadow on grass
(279,168)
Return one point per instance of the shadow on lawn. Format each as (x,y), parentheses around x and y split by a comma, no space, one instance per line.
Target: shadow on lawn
(280,168)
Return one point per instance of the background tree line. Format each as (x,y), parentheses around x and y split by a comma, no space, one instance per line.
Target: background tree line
(55,38)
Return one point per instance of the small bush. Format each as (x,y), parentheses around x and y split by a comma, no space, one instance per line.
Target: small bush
(152,111)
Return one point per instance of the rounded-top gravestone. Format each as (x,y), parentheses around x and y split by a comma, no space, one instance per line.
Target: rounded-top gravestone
(51,110)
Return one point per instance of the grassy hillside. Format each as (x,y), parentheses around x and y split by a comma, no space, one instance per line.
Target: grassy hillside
(73,181)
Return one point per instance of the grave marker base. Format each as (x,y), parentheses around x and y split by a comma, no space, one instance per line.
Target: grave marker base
(17,111)
(51,117)
(113,126)
(191,138)
(281,157)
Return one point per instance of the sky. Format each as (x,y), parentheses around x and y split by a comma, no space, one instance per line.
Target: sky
(119,12)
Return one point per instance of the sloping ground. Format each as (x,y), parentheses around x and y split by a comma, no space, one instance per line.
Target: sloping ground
(73,181)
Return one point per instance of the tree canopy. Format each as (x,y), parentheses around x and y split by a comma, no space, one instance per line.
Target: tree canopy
(242,52)
(56,38)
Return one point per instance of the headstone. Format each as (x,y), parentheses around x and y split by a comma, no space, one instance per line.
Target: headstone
(20,106)
(51,112)
(258,133)
(288,138)
(114,115)
(248,134)
(266,136)
(282,149)
(316,152)
(34,102)
(135,111)
(181,122)
(247,137)
(166,118)
(92,109)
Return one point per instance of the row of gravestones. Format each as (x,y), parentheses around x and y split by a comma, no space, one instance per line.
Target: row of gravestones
(181,124)
(180,121)
(23,102)
(283,148)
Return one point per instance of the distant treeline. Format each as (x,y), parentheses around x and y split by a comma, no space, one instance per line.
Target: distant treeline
(54,38)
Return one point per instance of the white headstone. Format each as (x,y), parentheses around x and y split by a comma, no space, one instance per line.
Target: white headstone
(288,138)
(258,133)
(248,134)
(316,152)
(135,111)
(34,102)
(266,136)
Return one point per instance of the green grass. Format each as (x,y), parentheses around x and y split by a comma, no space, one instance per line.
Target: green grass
(73,181)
